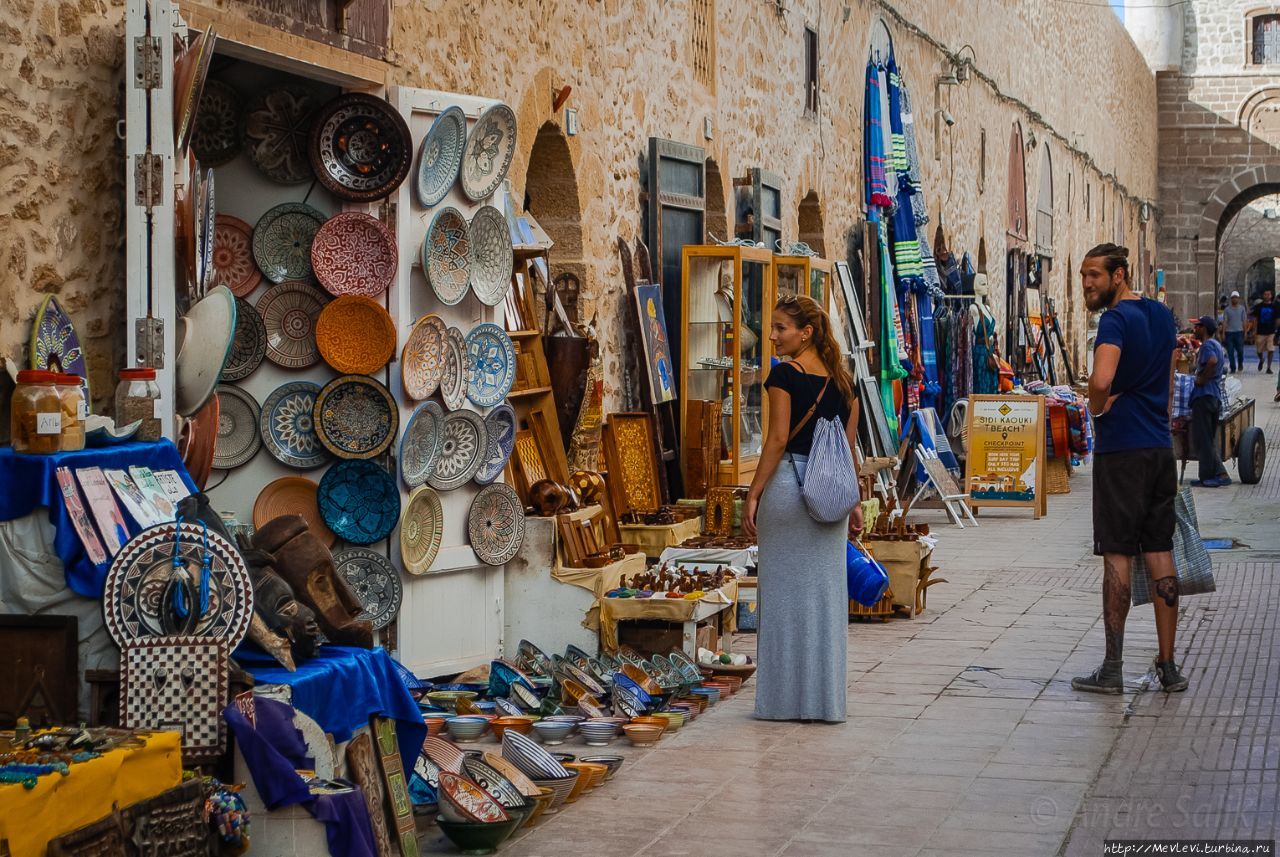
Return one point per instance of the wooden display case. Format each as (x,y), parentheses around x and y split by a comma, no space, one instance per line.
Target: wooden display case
(725,348)
(809,275)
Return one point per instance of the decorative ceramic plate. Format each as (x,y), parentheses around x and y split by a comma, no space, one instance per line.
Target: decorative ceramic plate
(487,156)
(204,345)
(463,444)
(499,787)
(500,426)
(289,312)
(453,383)
(292,495)
(197,436)
(354,254)
(233,255)
(206,223)
(422,358)
(440,156)
(421,529)
(446,255)
(491,364)
(421,444)
(495,524)
(248,345)
(189,73)
(359,501)
(360,147)
(277,129)
(54,343)
(356,335)
(287,427)
(134,602)
(529,756)
(374,581)
(446,755)
(490,256)
(282,241)
(238,439)
(219,132)
(471,801)
(355,417)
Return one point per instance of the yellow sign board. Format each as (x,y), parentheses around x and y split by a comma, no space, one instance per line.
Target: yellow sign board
(1005,464)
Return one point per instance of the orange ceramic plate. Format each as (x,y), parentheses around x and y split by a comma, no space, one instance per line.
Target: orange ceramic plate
(292,495)
(198,438)
(355,335)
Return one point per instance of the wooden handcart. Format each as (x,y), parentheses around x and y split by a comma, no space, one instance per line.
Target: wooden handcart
(1238,439)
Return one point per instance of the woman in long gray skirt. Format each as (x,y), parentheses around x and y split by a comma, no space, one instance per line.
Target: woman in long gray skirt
(804,601)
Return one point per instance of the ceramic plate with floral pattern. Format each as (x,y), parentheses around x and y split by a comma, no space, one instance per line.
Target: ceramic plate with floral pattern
(287,425)
(354,254)
(355,417)
(282,241)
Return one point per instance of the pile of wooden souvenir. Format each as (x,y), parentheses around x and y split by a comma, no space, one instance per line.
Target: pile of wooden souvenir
(668,514)
(25,756)
(672,581)
(540,701)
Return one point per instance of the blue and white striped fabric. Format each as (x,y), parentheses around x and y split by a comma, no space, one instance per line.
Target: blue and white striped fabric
(829,483)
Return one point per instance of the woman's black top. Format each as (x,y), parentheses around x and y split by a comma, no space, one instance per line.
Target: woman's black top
(803,387)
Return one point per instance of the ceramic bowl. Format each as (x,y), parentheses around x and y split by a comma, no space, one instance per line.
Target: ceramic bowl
(448,699)
(689,709)
(585,778)
(699,699)
(467,728)
(476,837)
(541,802)
(594,773)
(711,693)
(502,724)
(675,719)
(608,760)
(659,722)
(642,734)
(598,733)
(564,758)
(512,773)
(435,725)
(572,719)
(561,787)
(551,731)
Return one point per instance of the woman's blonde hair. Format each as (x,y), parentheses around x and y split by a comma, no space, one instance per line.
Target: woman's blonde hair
(804,311)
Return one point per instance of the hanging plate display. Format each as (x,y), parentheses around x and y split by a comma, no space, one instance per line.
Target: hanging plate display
(189,73)
(287,427)
(355,417)
(421,444)
(54,343)
(500,427)
(204,343)
(490,256)
(277,129)
(355,335)
(219,133)
(446,255)
(206,223)
(282,241)
(374,581)
(289,312)
(440,156)
(488,152)
(354,254)
(421,530)
(422,358)
(248,345)
(360,147)
(359,501)
(495,524)
(197,436)
(238,438)
(292,495)
(453,383)
(463,443)
(133,600)
(233,255)
(491,364)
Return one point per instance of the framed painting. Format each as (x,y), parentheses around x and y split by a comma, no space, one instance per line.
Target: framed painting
(657,346)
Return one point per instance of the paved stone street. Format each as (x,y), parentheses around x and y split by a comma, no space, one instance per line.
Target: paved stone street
(965,737)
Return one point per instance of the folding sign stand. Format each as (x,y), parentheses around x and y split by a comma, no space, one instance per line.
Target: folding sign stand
(940,479)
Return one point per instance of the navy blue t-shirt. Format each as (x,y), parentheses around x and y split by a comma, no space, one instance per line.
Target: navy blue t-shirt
(1146,334)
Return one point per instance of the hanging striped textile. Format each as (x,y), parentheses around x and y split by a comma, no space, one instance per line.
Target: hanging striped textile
(873,147)
(898,138)
(886,135)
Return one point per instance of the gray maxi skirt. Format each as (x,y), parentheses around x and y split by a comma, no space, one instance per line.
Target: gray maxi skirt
(803,599)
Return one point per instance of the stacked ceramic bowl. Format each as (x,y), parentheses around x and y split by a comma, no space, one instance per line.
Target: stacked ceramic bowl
(471,817)
(598,732)
(552,731)
(608,760)
(711,693)
(539,765)
(467,727)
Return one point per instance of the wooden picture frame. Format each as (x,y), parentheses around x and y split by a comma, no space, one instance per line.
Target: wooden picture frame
(633,481)
(399,807)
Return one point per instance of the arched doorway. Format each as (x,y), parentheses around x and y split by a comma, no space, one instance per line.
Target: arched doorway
(551,196)
(1241,211)
(1258,278)
(809,223)
(717,217)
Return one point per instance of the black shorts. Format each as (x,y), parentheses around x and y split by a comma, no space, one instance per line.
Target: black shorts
(1133,495)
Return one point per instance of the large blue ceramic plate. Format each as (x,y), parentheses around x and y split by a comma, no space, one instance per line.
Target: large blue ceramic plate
(491,365)
(359,501)
(288,428)
(440,156)
(501,427)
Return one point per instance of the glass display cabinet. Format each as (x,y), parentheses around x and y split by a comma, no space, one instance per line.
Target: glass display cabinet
(725,349)
(809,275)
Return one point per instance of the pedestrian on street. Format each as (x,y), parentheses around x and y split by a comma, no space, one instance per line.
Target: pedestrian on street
(1234,317)
(1134,480)
(1265,315)
(1206,405)
(803,636)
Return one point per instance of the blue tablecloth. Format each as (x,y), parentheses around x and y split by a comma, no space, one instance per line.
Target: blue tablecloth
(30,481)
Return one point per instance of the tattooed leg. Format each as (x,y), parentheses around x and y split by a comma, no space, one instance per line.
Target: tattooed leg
(1164,597)
(1167,590)
(1115,602)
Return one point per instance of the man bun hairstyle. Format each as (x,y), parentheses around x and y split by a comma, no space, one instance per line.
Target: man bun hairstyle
(1113,257)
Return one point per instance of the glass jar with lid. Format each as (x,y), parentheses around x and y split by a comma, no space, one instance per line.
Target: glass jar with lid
(138,398)
(74,410)
(35,413)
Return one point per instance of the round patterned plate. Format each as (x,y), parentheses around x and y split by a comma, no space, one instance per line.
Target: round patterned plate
(287,427)
(453,383)
(421,444)
(238,438)
(233,255)
(374,581)
(354,254)
(206,222)
(282,241)
(463,443)
(491,364)
(421,530)
(355,417)
(189,74)
(487,155)
(490,258)
(289,312)
(359,501)
(495,524)
(133,601)
(446,255)
(248,345)
(440,156)
(54,343)
(500,426)
(355,335)
(422,358)
(276,130)
(360,147)
(292,495)
(219,133)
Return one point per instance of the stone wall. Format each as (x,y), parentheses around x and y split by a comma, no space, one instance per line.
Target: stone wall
(1249,237)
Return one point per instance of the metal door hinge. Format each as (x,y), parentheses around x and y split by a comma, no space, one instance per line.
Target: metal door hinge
(147,62)
(149,334)
(148,179)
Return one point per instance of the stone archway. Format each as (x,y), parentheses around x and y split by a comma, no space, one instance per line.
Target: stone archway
(714,203)
(1223,205)
(551,196)
(809,223)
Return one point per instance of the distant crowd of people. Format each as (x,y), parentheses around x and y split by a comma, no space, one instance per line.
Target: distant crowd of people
(1236,319)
